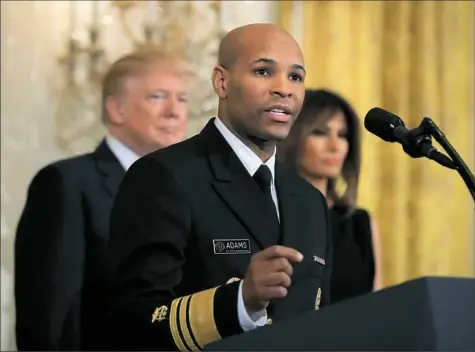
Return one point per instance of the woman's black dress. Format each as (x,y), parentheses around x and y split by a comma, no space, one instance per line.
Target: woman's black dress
(353,261)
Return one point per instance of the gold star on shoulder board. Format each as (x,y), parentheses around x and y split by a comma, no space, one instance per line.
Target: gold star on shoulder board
(160,314)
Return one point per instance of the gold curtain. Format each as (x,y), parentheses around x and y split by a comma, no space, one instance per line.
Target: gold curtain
(416,59)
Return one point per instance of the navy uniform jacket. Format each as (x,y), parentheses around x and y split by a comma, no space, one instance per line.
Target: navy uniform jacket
(172,271)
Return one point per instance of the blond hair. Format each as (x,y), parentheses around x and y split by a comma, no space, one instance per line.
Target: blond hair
(135,64)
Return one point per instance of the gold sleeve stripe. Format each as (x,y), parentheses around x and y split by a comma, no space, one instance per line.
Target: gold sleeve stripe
(184,325)
(201,315)
(173,318)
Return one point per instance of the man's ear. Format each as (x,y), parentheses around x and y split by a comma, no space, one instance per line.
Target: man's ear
(219,81)
(114,110)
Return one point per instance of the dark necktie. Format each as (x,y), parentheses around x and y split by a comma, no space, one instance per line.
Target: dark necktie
(263,178)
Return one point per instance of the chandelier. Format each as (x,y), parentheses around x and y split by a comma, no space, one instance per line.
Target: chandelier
(190,29)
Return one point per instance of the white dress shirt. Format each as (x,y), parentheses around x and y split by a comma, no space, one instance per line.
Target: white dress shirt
(123,153)
(249,320)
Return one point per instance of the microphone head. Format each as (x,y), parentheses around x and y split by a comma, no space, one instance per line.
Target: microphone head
(382,124)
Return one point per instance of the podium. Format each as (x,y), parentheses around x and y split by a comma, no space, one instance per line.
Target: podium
(432,313)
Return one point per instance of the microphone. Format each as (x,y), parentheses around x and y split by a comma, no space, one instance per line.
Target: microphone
(416,142)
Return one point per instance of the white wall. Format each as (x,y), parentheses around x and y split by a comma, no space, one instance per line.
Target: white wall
(32,36)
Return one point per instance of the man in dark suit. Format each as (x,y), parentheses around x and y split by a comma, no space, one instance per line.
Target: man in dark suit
(212,237)
(61,239)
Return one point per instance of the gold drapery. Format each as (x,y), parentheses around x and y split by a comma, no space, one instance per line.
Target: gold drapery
(416,59)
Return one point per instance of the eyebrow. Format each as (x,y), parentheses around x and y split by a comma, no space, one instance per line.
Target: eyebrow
(273,62)
(164,90)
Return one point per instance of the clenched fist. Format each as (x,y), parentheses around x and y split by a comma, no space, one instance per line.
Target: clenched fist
(268,276)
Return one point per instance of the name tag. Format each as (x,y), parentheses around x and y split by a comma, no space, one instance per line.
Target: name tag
(231,246)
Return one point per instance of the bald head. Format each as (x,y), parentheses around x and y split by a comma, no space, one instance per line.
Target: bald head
(259,81)
(244,39)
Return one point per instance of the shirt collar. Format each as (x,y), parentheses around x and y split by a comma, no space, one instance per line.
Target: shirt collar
(248,158)
(123,153)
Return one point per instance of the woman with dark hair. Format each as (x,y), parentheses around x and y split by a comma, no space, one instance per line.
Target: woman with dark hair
(324,146)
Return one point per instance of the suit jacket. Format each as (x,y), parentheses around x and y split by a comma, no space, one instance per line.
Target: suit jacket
(184,225)
(60,250)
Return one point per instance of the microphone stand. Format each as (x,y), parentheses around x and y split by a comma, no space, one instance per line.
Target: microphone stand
(429,128)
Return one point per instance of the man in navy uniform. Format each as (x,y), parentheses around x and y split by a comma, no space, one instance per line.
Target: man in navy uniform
(212,236)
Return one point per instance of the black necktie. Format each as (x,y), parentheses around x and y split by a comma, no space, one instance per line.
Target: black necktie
(263,178)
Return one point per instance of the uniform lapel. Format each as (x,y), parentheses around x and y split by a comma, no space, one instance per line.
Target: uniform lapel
(109,168)
(237,189)
(292,208)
